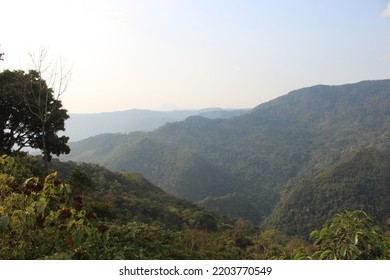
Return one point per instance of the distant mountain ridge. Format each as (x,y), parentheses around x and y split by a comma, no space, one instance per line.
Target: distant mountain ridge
(242,165)
(81,126)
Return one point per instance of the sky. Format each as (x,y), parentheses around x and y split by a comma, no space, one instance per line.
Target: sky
(165,54)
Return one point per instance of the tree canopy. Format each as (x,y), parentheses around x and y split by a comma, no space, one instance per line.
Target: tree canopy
(30,115)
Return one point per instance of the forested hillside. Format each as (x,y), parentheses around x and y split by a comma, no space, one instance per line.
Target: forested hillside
(250,159)
(359,181)
(85,211)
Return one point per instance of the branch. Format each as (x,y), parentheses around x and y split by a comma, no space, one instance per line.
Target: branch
(64,80)
(27,102)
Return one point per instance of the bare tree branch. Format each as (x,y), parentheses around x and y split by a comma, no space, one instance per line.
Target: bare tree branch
(53,81)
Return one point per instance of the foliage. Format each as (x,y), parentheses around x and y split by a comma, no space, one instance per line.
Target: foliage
(40,220)
(30,116)
(136,240)
(126,217)
(80,181)
(350,236)
(129,197)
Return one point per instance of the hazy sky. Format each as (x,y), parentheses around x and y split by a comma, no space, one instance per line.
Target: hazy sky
(197,53)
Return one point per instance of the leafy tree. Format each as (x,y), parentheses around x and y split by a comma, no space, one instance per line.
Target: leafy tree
(204,220)
(137,240)
(43,101)
(80,181)
(269,244)
(351,235)
(30,115)
(14,117)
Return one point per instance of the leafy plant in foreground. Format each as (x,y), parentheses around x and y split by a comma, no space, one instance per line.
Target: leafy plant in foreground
(44,220)
(350,236)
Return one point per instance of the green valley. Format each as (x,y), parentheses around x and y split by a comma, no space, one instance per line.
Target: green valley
(245,165)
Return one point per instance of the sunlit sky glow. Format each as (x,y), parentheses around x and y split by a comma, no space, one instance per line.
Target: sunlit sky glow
(197,53)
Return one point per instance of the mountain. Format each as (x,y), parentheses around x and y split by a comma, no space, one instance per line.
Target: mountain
(359,181)
(179,169)
(81,126)
(252,157)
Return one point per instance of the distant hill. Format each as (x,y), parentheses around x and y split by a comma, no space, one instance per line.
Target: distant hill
(81,126)
(252,157)
(359,181)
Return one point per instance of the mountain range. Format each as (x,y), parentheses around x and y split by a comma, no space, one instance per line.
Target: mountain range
(81,126)
(274,164)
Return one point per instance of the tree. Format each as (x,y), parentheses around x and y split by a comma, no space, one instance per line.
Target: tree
(30,115)
(351,235)
(80,181)
(43,100)
(14,121)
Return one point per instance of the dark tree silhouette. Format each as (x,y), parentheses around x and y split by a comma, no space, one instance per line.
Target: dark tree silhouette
(30,115)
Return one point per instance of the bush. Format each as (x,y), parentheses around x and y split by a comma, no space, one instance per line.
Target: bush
(38,221)
(350,236)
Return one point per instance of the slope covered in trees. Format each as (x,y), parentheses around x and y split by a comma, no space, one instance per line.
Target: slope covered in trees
(261,152)
(359,181)
(129,196)
(69,214)
(100,217)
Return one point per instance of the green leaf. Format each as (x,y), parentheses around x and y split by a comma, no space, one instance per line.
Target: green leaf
(4,221)
(70,224)
(355,250)
(356,239)
(41,205)
(328,255)
(314,234)
(78,236)
(344,252)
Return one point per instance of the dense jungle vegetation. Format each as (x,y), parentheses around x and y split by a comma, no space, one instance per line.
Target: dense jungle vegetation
(85,211)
